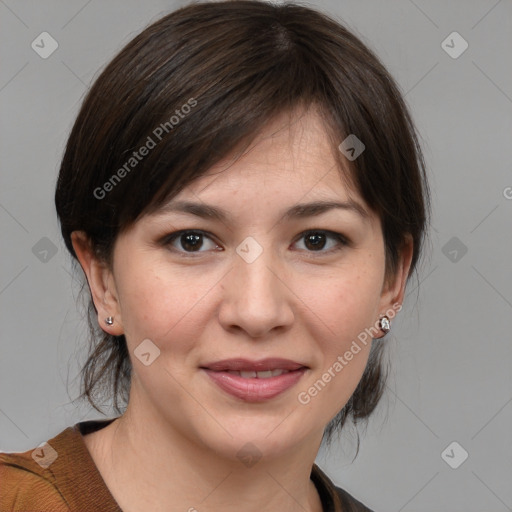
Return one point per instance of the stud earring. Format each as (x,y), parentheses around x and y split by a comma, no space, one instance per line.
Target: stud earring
(109,320)
(384,324)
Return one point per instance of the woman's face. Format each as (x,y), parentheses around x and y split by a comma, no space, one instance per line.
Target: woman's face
(274,279)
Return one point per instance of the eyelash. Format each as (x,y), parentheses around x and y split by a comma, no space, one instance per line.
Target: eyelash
(171,237)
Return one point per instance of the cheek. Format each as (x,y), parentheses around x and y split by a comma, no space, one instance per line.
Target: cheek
(345,303)
(157,301)
(161,304)
(340,314)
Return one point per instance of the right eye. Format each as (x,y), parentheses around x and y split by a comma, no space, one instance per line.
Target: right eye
(188,241)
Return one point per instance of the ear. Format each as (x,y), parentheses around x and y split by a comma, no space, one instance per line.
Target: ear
(393,290)
(101,283)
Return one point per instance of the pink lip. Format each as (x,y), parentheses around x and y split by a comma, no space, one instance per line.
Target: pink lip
(240,364)
(254,389)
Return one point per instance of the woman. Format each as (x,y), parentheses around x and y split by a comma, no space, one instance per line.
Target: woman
(245,193)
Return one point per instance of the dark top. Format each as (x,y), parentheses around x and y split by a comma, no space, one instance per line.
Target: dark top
(61,476)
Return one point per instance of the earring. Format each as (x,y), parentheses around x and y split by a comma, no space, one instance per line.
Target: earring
(109,320)
(384,324)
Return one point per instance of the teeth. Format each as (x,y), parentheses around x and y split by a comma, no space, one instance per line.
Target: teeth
(264,375)
(260,375)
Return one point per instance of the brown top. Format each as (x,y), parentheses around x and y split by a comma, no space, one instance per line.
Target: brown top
(61,476)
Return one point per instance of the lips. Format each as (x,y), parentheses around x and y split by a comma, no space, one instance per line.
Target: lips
(246,365)
(266,374)
(255,381)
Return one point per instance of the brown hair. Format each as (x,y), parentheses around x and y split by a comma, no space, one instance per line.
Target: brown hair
(198,83)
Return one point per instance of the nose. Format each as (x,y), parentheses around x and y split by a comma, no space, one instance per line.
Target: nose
(256,298)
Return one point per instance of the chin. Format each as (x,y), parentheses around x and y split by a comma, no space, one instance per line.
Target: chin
(258,435)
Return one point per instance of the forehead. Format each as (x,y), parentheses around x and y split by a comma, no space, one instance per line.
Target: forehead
(293,156)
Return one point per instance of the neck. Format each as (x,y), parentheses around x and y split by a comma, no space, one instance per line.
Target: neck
(147,465)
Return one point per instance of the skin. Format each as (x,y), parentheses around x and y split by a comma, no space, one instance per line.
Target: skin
(176,446)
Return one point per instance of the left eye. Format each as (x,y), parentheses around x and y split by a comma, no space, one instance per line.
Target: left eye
(314,241)
(317,240)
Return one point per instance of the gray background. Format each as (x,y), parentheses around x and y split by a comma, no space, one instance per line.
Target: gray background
(450,347)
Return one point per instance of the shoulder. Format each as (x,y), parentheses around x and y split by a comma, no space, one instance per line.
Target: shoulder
(335,499)
(24,487)
(349,503)
(59,475)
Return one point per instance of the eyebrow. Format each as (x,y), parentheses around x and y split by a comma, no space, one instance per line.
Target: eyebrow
(299,211)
